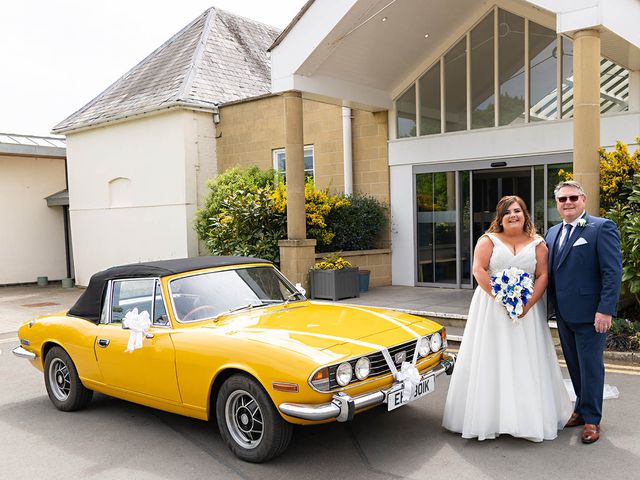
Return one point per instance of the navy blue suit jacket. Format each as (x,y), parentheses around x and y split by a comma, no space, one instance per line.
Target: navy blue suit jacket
(588,275)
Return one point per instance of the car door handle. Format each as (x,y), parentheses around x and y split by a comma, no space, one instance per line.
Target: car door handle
(103,342)
(148,335)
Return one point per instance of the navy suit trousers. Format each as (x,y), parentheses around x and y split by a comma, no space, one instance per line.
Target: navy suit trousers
(583,349)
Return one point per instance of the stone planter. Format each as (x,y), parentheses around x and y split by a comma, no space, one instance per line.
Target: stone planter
(334,284)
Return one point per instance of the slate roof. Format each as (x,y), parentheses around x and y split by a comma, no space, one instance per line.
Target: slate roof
(218,58)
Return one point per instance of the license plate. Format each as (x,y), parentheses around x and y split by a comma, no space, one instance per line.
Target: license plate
(396,398)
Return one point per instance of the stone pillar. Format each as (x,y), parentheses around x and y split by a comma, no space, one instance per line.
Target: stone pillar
(294,154)
(586,115)
(296,258)
(297,253)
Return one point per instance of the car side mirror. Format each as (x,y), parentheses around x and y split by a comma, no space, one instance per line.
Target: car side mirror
(301,289)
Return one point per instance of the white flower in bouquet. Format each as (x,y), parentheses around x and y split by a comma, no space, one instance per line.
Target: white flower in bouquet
(512,288)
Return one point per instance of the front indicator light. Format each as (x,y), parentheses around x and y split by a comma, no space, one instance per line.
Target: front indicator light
(320,380)
(363,368)
(285,387)
(344,373)
(436,342)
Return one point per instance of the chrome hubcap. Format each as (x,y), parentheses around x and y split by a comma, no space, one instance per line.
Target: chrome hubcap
(59,379)
(244,419)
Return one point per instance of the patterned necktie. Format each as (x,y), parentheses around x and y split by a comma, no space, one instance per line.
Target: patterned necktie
(560,248)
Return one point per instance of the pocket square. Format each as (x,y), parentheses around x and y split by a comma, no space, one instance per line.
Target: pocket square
(580,241)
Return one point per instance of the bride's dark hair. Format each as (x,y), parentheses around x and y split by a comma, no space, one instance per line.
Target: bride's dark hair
(502,209)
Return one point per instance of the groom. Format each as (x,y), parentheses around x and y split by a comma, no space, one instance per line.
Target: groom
(585,270)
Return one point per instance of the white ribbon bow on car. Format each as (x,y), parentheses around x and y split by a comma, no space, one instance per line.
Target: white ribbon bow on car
(410,376)
(138,323)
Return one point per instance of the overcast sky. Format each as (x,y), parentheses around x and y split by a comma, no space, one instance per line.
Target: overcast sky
(56,55)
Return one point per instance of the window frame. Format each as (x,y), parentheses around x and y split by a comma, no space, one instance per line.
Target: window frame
(107,304)
(307,148)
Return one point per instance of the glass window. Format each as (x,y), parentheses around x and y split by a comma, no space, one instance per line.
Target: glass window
(406,113)
(567,78)
(455,87)
(537,207)
(511,68)
(482,83)
(430,101)
(614,87)
(130,294)
(160,316)
(554,177)
(197,297)
(280,164)
(543,79)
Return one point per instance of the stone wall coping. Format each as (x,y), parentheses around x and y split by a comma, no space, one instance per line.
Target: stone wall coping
(308,242)
(356,253)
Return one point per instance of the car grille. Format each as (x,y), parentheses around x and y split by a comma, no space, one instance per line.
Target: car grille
(378,363)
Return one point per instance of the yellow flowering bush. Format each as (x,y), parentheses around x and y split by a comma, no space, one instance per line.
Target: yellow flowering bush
(332,262)
(617,169)
(318,205)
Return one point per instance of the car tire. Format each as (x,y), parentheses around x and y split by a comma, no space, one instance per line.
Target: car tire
(66,391)
(248,421)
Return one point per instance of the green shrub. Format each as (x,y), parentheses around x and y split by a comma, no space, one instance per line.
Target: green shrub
(223,187)
(356,225)
(247,225)
(627,216)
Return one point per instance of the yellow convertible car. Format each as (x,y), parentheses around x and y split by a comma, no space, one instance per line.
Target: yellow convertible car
(231,337)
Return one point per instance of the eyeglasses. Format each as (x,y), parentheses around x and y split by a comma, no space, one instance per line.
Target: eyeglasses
(573,198)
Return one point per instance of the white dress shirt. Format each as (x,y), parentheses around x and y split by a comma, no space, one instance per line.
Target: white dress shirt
(563,233)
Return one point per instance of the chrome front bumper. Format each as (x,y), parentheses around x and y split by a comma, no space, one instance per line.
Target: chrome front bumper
(343,407)
(22,353)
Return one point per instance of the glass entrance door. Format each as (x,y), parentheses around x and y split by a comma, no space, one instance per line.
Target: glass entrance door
(436,209)
(489,186)
(454,208)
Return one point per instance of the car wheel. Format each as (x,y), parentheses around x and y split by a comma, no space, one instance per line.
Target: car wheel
(66,391)
(249,423)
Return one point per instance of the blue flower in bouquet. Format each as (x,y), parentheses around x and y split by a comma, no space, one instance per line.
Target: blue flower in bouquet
(512,288)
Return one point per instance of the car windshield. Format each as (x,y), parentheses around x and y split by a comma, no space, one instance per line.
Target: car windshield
(207,295)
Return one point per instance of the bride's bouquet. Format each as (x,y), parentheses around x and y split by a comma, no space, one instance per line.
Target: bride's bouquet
(512,288)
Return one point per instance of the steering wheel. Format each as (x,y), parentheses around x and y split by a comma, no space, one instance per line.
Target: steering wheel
(193,311)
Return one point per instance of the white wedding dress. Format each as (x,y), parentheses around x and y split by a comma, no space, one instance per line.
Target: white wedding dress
(507,379)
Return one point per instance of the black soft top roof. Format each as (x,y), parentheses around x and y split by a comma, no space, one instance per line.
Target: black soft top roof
(90,302)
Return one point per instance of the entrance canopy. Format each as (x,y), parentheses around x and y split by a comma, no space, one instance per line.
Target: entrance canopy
(363,53)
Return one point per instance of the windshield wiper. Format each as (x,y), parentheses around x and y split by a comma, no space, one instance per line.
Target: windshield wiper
(237,309)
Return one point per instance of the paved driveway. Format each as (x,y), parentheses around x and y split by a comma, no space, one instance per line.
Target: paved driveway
(113,439)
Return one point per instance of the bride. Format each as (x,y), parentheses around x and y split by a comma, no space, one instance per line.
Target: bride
(507,378)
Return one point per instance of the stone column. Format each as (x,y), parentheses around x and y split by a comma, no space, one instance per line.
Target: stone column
(297,253)
(586,115)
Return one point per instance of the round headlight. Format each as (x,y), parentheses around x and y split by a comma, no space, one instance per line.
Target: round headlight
(436,342)
(363,368)
(423,347)
(344,374)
